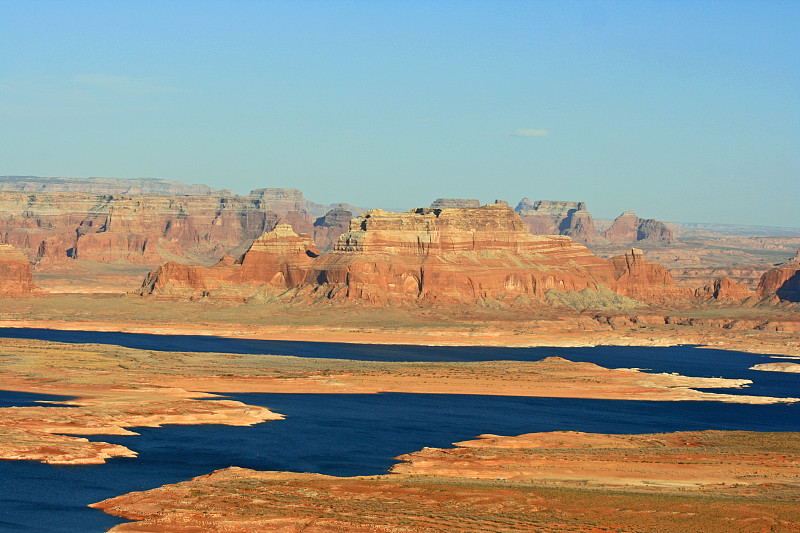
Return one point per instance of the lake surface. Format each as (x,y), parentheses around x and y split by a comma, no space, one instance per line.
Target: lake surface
(353,434)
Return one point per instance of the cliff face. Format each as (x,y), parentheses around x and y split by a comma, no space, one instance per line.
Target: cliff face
(557,218)
(629,228)
(724,289)
(451,254)
(430,255)
(56,227)
(16,278)
(636,277)
(280,258)
(782,282)
(35,184)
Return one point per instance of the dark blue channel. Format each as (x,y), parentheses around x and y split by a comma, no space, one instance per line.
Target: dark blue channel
(339,435)
(687,360)
(361,434)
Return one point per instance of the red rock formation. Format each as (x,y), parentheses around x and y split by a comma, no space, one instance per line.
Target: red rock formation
(432,255)
(557,218)
(280,258)
(464,254)
(782,282)
(724,289)
(628,228)
(636,277)
(16,278)
(328,228)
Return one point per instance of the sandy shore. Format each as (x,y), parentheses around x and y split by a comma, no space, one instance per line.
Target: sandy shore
(551,482)
(119,388)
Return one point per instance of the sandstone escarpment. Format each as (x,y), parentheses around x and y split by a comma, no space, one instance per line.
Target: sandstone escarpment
(557,218)
(102,185)
(724,289)
(629,228)
(782,282)
(638,278)
(16,278)
(280,259)
(470,254)
(428,255)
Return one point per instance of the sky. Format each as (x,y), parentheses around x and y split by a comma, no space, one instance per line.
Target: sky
(684,111)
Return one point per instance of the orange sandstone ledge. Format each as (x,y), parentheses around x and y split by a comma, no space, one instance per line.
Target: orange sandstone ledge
(551,482)
(119,388)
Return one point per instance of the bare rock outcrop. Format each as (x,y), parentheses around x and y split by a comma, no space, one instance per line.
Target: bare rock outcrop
(467,254)
(638,278)
(329,227)
(16,278)
(425,255)
(557,218)
(280,258)
(630,228)
(724,289)
(782,282)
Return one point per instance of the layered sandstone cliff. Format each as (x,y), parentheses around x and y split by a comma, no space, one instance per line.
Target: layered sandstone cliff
(629,228)
(37,184)
(724,289)
(280,258)
(782,282)
(16,278)
(428,255)
(557,218)
(328,228)
(149,229)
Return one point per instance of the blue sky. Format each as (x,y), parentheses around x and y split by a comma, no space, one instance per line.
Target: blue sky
(682,111)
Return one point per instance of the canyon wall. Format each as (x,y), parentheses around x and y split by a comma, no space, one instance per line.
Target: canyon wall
(55,227)
(16,278)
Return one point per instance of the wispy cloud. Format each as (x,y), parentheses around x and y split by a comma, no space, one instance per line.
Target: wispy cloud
(525,132)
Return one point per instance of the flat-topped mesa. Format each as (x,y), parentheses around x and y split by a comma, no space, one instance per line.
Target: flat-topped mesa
(280,200)
(782,283)
(103,185)
(544,217)
(458,203)
(16,278)
(629,228)
(428,230)
(466,254)
(280,258)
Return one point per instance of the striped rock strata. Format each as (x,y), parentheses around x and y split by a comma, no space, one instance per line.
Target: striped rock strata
(16,278)
(433,255)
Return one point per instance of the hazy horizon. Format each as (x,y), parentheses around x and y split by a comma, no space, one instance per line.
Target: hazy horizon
(679,111)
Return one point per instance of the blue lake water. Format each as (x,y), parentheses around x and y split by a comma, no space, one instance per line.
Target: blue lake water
(361,434)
